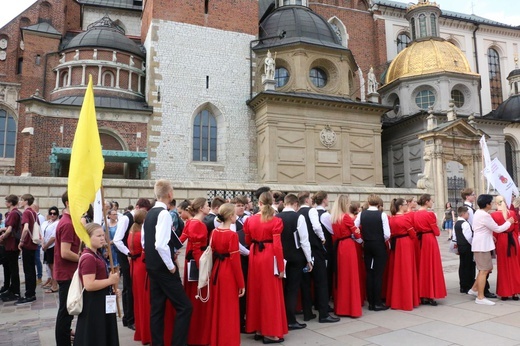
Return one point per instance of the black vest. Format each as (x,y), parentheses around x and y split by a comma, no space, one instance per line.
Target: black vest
(316,244)
(240,231)
(372,226)
(290,225)
(209,221)
(153,259)
(328,237)
(462,242)
(130,223)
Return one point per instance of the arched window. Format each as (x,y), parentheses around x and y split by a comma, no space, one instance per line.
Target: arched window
(340,30)
(7,135)
(495,78)
(402,41)
(422,25)
(433,23)
(511,160)
(108,79)
(205,137)
(412,25)
(281,76)
(65,79)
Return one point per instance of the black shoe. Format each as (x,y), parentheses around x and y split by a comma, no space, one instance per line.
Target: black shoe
(10,297)
(4,289)
(381,307)
(5,294)
(311,317)
(329,319)
(296,326)
(515,298)
(371,307)
(258,337)
(131,326)
(504,298)
(25,301)
(432,302)
(271,341)
(490,295)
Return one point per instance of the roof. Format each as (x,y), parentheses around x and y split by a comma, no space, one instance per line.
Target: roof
(300,24)
(104,102)
(105,33)
(508,110)
(126,4)
(43,27)
(449,14)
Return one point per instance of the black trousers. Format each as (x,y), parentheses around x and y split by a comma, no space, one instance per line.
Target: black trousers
(318,275)
(375,260)
(29,269)
(165,285)
(466,270)
(293,279)
(14,271)
(127,296)
(63,319)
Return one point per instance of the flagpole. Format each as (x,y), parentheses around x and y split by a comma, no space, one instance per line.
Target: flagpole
(109,248)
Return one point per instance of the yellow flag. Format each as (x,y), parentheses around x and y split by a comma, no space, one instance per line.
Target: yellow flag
(86,164)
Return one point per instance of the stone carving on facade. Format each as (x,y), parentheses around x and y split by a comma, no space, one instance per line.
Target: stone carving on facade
(3,55)
(328,137)
(143,66)
(22,45)
(361,85)
(62,59)
(131,63)
(269,65)
(452,113)
(76,56)
(372,82)
(94,56)
(3,43)
(114,56)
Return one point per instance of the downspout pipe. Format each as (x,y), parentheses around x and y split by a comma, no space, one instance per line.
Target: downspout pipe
(477,26)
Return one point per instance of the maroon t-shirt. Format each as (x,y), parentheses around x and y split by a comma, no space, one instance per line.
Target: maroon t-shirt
(12,219)
(64,269)
(91,263)
(29,216)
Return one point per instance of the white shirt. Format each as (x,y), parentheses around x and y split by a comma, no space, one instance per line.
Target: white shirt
(315,221)
(49,231)
(122,226)
(483,228)
(470,211)
(163,231)
(325,219)
(303,233)
(241,248)
(41,218)
(384,219)
(466,231)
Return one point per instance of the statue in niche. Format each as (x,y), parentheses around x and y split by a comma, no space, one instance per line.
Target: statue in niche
(94,56)
(76,56)
(114,56)
(62,60)
(361,85)
(132,63)
(372,82)
(269,66)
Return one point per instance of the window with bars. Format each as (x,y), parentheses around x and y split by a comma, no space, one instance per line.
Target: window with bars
(412,25)
(511,160)
(495,78)
(7,135)
(424,99)
(402,41)
(422,25)
(433,23)
(205,137)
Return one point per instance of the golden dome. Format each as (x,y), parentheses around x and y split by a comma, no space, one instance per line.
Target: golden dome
(424,57)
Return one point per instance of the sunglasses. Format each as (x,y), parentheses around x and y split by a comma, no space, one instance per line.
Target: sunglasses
(53,214)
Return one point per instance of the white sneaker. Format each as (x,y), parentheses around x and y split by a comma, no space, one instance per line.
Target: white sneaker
(484,301)
(472,293)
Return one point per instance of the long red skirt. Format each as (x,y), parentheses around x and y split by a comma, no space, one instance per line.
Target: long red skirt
(431,275)
(347,289)
(402,287)
(508,267)
(141,293)
(200,325)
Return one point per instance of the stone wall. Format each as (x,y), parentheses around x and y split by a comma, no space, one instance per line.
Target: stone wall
(48,191)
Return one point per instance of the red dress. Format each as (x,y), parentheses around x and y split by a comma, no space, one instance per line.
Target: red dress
(226,280)
(402,287)
(361,265)
(508,265)
(140,289)
(265,311)
(431,275)
(347,289)
(200,326)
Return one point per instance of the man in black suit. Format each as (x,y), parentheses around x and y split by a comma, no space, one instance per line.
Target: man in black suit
(297,253)
(209,220)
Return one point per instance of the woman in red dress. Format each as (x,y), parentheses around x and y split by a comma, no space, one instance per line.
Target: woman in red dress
(402,287)
(196,233)
(431,276)
(226,282)
(508,265)
(353,211)
(265,311)
(412,206)
(347,289)
(140,288)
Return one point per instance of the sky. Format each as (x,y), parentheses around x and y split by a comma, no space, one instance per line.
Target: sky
(504,11)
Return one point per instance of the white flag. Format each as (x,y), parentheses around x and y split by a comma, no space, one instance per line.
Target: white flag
(98,208)
(502,181)
(487,161)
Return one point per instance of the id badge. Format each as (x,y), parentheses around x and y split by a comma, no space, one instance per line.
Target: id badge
(111,304)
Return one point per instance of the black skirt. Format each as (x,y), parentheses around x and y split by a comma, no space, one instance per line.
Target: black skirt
(48,256)
(94,326)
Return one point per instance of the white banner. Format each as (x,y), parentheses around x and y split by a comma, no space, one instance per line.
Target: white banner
(487,161)
(98,208)
(501,180)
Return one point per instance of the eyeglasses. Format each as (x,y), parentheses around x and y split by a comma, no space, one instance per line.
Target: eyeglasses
(53,214)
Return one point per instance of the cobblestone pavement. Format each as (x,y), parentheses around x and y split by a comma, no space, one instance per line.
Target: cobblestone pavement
(457,320)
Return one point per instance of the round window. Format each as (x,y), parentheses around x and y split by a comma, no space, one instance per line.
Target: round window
(458,98)
(424,99)
(281,76)
(318,77)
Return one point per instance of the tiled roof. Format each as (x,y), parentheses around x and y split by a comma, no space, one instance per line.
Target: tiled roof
(42,27)
(127,4)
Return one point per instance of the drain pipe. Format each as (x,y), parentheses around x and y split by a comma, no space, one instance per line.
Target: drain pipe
(477,26)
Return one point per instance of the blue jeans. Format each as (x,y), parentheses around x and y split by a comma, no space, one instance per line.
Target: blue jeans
(38,262)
